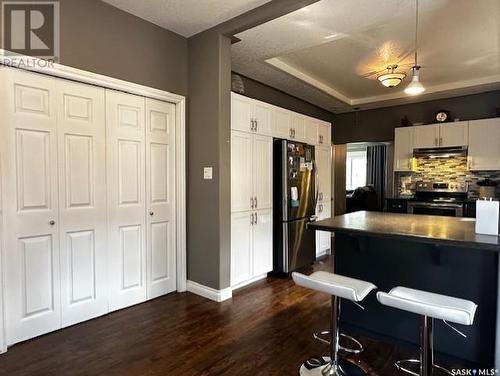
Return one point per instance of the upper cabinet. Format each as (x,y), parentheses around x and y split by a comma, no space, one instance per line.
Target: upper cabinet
(249,115)
(403,149)
(441,135)
(484,144)
(253,116)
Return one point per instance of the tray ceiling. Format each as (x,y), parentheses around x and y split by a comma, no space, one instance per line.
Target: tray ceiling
(323,53)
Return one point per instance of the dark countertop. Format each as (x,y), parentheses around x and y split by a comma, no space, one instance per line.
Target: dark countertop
(422,228)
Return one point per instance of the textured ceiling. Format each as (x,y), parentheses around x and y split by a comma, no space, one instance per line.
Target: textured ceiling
(186,17)
(324,53)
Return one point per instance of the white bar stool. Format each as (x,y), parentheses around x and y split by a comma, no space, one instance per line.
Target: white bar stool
(339,287)
(430,306)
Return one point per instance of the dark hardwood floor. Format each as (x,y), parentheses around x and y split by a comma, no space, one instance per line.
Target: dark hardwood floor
(264,330)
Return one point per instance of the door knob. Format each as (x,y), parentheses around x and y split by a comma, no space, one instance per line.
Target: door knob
(151,213)
(52,222)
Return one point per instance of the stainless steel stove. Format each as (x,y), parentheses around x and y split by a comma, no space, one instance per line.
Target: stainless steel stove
(439,198)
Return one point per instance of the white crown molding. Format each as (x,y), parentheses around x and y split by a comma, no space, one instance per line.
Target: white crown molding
(208,292)
(40,66)
(454,87)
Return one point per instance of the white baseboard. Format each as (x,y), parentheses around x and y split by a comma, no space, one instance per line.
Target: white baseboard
(209,293)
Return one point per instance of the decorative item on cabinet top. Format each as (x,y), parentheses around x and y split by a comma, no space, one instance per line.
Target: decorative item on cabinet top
(254,116)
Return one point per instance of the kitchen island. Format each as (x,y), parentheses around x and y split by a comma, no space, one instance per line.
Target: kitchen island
(432,253)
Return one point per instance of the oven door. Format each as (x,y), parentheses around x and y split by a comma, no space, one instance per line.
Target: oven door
(430,208)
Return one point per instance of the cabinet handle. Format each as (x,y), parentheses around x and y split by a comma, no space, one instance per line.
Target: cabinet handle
(294,133)
(151,213)
(251,124)
(251,203)
(290,132)
(255,218)
(255,202)
(52,222)
(256,125)
(251,219)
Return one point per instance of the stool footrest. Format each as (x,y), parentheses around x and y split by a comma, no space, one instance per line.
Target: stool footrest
(401,366)
(320,337)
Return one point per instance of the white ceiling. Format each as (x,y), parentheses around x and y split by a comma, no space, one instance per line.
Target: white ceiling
(323,53)
(186,17)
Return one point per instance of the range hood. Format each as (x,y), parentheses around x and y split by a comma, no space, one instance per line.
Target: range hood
(447,152)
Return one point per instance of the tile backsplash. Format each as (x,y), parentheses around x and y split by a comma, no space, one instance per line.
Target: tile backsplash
(449,169)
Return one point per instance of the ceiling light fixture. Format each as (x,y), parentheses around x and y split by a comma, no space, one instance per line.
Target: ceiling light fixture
(392,77)
(415,87)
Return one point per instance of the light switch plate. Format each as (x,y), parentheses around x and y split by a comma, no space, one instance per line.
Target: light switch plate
(207,173)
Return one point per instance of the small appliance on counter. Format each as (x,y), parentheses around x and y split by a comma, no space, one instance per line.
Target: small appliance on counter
(487,217)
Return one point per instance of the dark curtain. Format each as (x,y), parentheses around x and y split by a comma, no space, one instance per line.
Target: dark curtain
(376,156)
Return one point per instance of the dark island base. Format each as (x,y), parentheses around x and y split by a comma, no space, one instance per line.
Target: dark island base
(455,271)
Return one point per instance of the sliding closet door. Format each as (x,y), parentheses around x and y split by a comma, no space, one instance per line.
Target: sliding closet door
(160,197)
(82,201)
(126,202)
(29,148)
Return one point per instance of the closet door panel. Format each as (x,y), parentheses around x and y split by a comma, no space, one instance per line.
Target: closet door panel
(262,174)
(29,151)
(125,156)
(241,171)
(160,194)
(82,201)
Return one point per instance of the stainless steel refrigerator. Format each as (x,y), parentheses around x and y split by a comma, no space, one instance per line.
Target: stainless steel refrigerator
(294,200)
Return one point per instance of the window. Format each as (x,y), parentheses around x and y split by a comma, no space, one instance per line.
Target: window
(355,168)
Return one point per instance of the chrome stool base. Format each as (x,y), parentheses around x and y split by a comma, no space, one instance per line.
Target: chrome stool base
(350,350)
(322,367)
(400,365)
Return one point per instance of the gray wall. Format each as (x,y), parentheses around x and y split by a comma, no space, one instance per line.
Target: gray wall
(257,90)
(378,124)
(208,238)
(100,38)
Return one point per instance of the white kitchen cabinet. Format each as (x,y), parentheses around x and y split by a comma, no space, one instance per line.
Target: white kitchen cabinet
(251,171)
(403,149)
(454,134)
(251,246)
(262,246)
(311,131)
(484,144)
(324,172)
(324,134)
(250,115)
(298,128)
(281,123)
(323,238)
(426,136)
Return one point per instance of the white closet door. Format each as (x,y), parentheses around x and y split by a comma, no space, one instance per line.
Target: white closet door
(125,148)
(241,171)
(82,201)
(262,247)
(262,171)
(323,164)
(29,149)
(160,197)
(241,247)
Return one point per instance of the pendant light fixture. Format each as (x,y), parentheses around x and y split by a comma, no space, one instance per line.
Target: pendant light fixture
(392,77)
(415,87)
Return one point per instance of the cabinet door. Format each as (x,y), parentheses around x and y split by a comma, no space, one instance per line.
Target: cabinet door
(262,247)
(241,113)
(454,134)
(323,238)
(160,198)
(125,149)
(311,126)
(262,171)
(403,149)
(241,171)
(323,165)
(82,201)
(484,141)
(241,247)
(426,136)
(324,134)
(262,115)
(29,152)
(298,126)
(281,123)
